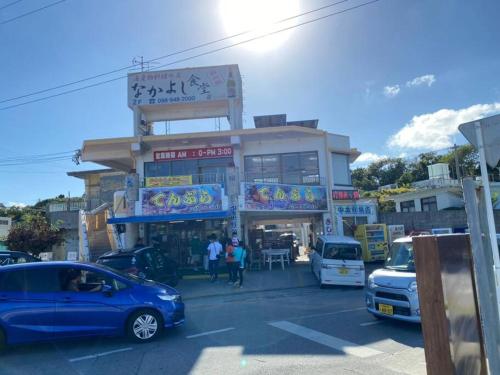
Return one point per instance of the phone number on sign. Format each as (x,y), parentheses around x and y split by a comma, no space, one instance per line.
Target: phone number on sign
(177,99)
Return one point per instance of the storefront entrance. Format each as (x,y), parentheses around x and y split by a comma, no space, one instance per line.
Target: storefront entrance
(295,233)
(186,241)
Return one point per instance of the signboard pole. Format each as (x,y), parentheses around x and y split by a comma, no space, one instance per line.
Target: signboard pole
(489,207)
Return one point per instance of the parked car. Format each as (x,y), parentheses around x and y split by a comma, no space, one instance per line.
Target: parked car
(392,290)
(337,260)
(14,257)
(49,301)
(147,262)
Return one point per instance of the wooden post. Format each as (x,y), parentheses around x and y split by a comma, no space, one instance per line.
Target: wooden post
(448,305)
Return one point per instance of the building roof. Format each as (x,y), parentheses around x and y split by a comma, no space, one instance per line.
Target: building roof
(83,174)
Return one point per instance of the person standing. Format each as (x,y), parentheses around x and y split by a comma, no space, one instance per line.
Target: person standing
(214,250)
(230,261)
(239,264)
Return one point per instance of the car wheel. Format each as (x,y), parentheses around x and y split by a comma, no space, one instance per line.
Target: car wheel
(144,325)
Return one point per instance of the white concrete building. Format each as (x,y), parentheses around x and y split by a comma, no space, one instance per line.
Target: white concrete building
(277,180)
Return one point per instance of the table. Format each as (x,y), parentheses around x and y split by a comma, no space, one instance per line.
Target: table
(276,255)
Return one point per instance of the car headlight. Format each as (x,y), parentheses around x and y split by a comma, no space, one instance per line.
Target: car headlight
(168,297)
(412,287)
(371,282)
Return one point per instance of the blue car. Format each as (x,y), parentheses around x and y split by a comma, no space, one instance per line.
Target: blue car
(59,300)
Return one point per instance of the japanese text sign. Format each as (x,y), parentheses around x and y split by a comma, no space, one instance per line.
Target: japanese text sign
(183,86)
(354,210)
(181,200)
(169,181)
(285,197)
(194,153)
(345,195)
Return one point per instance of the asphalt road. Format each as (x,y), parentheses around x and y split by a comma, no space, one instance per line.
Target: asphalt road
(299,331)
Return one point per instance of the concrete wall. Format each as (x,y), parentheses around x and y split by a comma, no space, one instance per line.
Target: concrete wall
(429,220)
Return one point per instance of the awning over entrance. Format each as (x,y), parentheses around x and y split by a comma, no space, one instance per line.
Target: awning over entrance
(166,218)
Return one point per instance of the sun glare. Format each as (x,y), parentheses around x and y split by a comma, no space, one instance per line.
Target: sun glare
(260,15)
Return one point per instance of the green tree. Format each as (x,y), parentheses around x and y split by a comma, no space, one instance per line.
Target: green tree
(468,160)
(418,168)
(362,181)
(385,203)
(34,235)
(387,171)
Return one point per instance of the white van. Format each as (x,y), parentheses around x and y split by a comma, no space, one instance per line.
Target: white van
(337,260)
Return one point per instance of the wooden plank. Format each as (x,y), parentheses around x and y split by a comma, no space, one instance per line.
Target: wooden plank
(432,307)
(449,306)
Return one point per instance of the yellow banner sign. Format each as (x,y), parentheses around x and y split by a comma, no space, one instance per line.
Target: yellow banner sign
(169,181)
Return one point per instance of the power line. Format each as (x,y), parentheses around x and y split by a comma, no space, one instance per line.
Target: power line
(13,158)
(30,12)
(10,4)
(194,56)
(206,44)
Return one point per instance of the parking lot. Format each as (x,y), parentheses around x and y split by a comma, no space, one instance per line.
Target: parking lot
(300,330)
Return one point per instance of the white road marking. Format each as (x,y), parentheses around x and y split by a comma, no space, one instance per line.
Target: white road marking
(344,346)
(210,332)
(92,356)
(323,314)
(371,323)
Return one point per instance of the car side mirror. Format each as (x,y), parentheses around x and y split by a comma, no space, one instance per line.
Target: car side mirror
(107,290)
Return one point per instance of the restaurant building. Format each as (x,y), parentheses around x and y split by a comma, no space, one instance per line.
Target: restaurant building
(280,180)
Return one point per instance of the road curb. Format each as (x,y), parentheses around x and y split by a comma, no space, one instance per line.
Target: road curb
(238,292)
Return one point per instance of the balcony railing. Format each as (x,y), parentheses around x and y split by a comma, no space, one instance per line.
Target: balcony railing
(436,183)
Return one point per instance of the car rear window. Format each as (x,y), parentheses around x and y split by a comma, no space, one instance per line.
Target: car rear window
(342,251)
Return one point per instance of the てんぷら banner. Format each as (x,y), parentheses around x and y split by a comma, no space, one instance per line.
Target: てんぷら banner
(181,200)
(285,197)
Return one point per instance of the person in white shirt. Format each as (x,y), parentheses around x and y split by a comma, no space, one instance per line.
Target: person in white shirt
(214,249)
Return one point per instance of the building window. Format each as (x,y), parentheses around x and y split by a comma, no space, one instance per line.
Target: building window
(407,206)
(299,168)
(341,171)
(429,204)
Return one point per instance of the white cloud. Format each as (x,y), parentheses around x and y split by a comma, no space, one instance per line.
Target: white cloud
(427,79)
(434,131)
(16,204)
(391,91)
(367,158)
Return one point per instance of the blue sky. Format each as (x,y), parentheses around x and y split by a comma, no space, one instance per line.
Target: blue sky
(357,73)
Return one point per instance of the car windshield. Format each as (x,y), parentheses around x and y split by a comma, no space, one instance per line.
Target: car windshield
(342,251)
(400,257)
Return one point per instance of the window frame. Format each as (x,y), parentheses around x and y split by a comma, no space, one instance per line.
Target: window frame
(407,206)
(348,169)
(432,203)
(280,176)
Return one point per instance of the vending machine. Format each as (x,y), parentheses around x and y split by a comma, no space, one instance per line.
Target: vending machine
(374,241)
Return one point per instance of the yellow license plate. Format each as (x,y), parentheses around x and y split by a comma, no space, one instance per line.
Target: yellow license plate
(343,271)
(385,309)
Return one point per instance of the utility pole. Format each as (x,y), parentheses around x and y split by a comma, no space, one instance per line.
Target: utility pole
(457,166)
